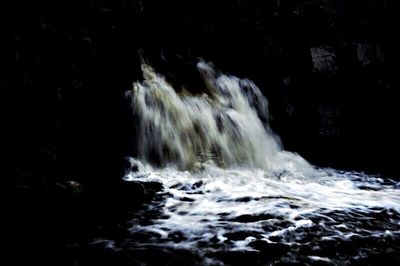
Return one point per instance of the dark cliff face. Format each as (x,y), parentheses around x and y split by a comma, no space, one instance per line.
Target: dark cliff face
(325,66)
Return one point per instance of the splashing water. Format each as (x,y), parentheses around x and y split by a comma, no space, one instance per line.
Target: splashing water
(223,128)
(228,186)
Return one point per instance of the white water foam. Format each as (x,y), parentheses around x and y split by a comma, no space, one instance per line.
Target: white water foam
(229,184)
(215,201)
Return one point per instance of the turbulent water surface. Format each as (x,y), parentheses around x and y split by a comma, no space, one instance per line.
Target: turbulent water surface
(230,193)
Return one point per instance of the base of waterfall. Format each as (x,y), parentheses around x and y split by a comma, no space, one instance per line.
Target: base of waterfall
(215,216)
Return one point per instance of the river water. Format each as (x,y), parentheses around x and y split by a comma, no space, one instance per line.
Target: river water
(230,192)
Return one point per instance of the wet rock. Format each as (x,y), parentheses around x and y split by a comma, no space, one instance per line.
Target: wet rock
(132,169)
(369,53)
(329,121)
(364,53)
(71,186)
(323,59)
(138,192)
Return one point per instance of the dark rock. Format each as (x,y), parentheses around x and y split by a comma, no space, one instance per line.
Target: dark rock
(323,59)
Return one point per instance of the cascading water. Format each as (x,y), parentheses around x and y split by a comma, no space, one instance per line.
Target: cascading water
(222,128)
(229,187)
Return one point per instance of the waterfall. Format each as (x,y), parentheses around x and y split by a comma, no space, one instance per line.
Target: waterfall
(229,186)
(226,127)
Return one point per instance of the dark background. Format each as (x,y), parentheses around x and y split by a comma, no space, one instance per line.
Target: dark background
(326,67)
